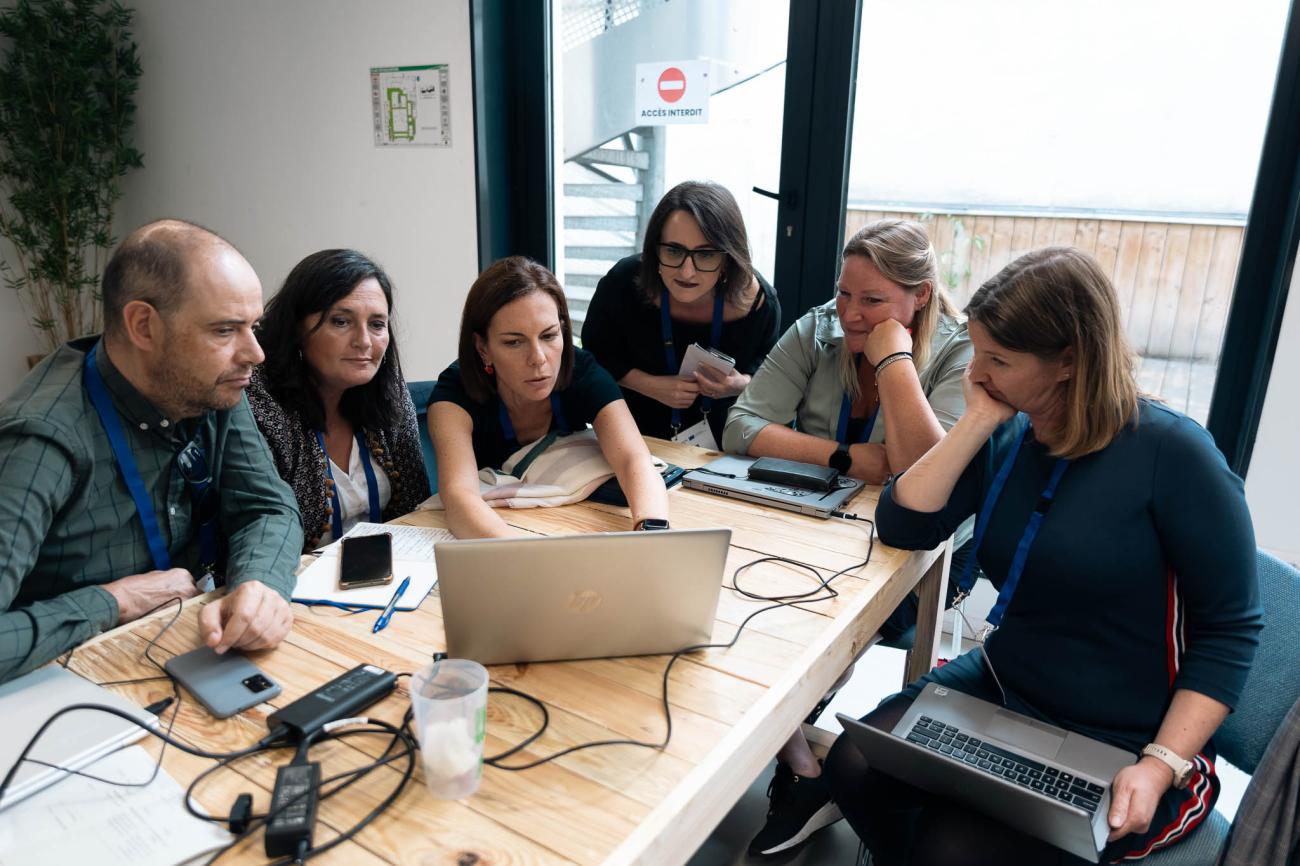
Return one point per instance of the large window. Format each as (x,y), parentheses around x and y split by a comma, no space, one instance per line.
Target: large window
(1129,130)
(613,168)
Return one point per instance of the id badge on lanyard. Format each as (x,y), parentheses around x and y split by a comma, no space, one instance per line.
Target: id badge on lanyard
(699,434)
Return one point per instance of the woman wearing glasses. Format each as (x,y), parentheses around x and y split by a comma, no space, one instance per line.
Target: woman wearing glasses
(865,383)
(330,398)
(693,282)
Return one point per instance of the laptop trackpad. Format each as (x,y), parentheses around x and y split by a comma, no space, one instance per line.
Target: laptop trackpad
(1018,731)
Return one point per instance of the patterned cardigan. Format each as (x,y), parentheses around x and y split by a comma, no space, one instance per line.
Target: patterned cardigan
(297,456)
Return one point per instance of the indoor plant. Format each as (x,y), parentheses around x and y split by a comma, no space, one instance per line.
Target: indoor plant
(67,83)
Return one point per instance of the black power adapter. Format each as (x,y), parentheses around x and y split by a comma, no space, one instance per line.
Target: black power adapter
(342,697)
(293,810)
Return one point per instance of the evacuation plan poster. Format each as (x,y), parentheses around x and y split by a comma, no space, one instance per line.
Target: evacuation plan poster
(412,105)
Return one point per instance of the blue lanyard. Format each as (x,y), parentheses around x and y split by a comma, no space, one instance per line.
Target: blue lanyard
(557,417)
(372,485)
(842,430)
(1012,580)
(112,424)
(670,351)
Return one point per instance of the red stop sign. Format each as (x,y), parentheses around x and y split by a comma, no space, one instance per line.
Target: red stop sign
(672,84)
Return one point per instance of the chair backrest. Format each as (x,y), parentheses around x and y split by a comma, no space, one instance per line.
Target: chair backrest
(420,393)
(1274,680)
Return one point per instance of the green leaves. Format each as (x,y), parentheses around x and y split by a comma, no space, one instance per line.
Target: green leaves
(67,106)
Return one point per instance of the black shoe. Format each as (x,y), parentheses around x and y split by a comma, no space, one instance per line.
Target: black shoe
(799,807)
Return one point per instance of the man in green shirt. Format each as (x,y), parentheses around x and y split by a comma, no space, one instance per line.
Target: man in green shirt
(80,552)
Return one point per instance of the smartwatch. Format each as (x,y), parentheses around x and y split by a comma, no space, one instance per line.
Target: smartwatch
(1182,768)
(841,459)
(649,524)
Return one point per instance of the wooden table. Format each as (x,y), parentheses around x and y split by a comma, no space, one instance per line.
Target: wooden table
(731,709)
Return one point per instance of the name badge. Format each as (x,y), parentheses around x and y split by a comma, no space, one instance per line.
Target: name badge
(698,434)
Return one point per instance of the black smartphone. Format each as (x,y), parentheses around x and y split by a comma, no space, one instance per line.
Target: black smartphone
(366,560)
(225,684)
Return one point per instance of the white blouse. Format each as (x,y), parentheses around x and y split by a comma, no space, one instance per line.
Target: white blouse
(354,495)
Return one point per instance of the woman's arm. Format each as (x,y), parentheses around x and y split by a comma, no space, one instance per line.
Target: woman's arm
(1191,720)
(625,451)
(911,427)
(468,516)
(928,484)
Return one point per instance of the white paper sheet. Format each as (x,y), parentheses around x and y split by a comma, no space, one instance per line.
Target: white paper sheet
(82,821)
(409,542)
(320,582)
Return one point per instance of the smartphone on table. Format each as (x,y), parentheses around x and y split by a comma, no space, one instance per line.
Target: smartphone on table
(225,684)
(366,560)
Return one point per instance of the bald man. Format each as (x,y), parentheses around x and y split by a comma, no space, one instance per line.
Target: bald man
(131,467)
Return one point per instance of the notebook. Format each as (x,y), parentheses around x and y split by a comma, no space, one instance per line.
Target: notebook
(1043,780)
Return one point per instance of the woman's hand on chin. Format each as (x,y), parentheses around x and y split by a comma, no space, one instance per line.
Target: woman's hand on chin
(885,339)
(981,406)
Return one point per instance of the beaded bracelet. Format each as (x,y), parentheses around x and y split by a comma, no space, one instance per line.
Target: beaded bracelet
(889,359)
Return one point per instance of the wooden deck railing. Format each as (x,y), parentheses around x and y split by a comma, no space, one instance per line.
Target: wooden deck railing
(1174,281)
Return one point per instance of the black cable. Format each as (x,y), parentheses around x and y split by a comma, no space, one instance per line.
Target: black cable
(780,601)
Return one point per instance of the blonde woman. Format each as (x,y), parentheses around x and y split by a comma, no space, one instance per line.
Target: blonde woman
(1132,611)
(869,381)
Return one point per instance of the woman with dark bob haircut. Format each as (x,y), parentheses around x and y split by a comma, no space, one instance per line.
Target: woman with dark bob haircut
(517,379)
(692,282)
(330,398)
(1128,613)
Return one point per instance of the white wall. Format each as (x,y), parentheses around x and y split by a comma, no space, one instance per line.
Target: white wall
(255,120)
(1273,480)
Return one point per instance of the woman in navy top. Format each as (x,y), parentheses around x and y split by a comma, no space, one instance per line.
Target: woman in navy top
(1131,612)
(517,378)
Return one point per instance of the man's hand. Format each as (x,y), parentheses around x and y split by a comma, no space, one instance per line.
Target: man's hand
(1134,795)
(252,616)
(885,339)
(140,593)
(673,392)
(713,384)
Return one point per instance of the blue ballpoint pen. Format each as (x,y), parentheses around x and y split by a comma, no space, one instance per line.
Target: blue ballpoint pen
(388,608)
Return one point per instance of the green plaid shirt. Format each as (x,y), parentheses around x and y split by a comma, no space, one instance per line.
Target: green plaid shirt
(70,525)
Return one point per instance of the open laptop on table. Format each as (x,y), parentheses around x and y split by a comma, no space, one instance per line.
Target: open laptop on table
(729,476)
(580,596)
(73,741)
(1040,779)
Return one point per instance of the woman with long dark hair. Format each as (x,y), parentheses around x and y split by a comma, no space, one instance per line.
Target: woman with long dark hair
(330,398)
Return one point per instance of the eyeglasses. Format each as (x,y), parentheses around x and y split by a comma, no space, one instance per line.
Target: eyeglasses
(193,465)
(706,261)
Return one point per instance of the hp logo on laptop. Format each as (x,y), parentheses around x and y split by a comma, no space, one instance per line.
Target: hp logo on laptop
(584,600)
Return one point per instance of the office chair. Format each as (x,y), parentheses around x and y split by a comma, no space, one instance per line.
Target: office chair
(420,393)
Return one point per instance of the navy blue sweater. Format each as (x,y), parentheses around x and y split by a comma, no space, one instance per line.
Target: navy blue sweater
(1141,580)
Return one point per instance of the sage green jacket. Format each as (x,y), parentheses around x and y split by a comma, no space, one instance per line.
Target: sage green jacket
(800,381)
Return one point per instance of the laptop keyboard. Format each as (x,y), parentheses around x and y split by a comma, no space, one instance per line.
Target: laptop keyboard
(995,760)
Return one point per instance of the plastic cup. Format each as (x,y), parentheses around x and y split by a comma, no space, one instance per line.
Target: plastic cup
(449,699)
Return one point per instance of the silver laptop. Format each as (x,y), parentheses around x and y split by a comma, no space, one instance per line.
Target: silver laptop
(729,476)
(73,741)
(580,596)
(1040,779)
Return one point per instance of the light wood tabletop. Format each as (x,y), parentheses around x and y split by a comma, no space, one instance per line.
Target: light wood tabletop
(731,709)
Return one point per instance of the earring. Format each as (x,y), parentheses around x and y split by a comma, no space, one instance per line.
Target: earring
(489,369)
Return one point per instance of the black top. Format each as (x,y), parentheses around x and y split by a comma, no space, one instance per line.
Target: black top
(1141,579)
(590,390)
(623,331)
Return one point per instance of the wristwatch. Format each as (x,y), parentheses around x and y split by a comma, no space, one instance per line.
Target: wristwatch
(841,459)
(649,524)
(1182,768)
